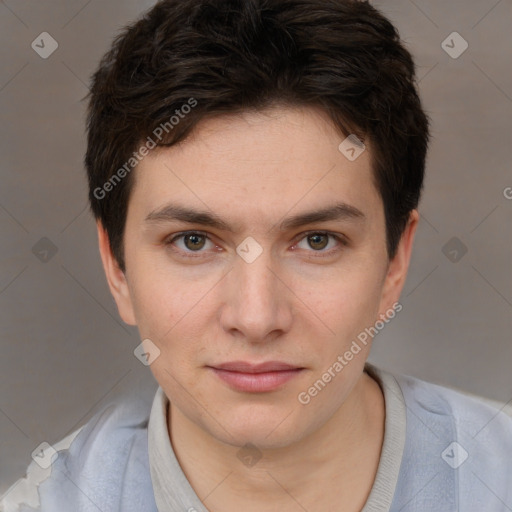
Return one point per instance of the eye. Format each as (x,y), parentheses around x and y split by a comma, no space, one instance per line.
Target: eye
(319,240)
(192,242)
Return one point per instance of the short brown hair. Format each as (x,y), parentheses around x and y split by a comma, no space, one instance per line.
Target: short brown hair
(230,56)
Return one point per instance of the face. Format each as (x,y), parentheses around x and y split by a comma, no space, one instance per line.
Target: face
(253,280)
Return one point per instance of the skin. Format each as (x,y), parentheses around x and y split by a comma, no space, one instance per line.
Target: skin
(302,301)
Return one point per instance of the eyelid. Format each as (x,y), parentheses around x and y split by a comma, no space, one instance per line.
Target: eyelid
(341,238)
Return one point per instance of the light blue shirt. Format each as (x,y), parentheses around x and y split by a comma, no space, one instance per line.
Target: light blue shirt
(442,451)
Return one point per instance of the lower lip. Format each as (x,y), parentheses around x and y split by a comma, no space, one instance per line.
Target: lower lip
(256,382)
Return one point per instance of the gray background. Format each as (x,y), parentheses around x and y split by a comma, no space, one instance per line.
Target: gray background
(65,352)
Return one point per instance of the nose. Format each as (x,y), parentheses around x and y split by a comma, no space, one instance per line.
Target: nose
(257,304)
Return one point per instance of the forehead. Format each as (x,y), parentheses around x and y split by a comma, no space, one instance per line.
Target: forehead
(257,164)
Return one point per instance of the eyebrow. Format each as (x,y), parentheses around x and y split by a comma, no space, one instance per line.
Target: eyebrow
(173,212)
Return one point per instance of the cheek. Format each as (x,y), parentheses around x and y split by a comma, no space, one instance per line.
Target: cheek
(172,311)
(342,301)
(163,298)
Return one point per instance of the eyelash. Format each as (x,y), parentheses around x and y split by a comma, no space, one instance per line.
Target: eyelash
(195,254)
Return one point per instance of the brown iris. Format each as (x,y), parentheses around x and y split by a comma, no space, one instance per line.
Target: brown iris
(196,241)
(315,241)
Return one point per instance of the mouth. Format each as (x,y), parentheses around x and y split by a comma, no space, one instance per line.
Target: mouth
(256,378)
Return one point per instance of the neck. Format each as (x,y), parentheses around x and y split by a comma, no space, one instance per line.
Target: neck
(343,456)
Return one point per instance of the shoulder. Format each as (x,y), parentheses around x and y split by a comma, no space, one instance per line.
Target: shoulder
(458,446)
(103,464)
(464,409)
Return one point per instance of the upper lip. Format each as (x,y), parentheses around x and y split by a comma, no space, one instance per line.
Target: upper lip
(246,367)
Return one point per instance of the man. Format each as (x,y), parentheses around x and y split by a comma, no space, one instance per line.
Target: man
(255,169)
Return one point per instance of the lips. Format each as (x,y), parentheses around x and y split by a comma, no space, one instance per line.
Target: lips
(244,367)
(255,378)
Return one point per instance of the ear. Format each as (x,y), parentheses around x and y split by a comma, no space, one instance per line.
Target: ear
(399,265)
(116,278)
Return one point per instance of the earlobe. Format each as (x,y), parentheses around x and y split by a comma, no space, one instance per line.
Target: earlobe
(399,265)
(116,278)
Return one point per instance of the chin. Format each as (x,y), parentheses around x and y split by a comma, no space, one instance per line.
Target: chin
(266,430)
